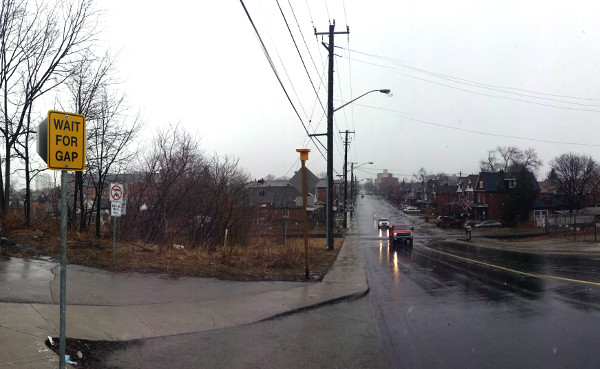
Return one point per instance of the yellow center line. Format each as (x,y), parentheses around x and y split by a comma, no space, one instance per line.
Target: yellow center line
(511,270)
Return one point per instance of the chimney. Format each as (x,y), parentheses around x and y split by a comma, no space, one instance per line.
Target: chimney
(501,180)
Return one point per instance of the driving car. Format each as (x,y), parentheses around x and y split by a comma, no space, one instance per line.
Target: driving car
(383,223)
(488,224)
(401,233)
(412,209)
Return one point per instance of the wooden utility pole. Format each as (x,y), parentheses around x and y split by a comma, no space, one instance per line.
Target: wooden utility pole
(346,144)
(329,205)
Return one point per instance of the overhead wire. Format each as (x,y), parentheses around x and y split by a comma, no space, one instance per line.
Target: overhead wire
(337,128)
(490,95)
(399,62)
(300,55)
(285,69)
(270,60)
(404,116)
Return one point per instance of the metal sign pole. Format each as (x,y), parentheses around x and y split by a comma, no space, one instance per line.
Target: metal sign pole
(63,268)
(114,238)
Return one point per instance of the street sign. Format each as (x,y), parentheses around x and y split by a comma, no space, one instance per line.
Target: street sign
(61,141)
(117,192)
(115,209)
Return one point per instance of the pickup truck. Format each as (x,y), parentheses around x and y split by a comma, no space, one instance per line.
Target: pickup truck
(401,232)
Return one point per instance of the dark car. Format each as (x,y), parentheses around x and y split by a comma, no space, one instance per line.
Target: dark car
(472,222)
(446,221)
(489,224)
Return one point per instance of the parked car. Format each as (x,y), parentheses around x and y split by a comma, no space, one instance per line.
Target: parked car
(472,222)
(412,209)
(489,224)
(383,223)
(446,221)
(401,232)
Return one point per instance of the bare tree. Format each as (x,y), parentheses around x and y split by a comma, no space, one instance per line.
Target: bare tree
(222,207)
(38,52)
(108,138)
(91,77)
(171,173)
(510,159)
(528,160)
(572,174)
(490,164)
(188,197)
(422,175)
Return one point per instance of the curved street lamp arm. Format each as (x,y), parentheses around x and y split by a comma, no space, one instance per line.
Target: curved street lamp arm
(384,91)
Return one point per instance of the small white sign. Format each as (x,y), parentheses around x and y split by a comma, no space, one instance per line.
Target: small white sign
(115,208)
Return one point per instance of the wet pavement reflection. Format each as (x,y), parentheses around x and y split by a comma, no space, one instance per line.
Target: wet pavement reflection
(453,304)
(25,280)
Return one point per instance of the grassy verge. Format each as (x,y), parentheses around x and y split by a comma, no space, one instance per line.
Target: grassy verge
(260,260)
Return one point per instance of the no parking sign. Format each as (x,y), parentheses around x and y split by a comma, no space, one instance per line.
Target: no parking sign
(117,192)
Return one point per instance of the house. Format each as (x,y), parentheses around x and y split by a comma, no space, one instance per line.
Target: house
(41,203)
(465,196)
(321,191)
(280,201)
(491,192)
(446,199)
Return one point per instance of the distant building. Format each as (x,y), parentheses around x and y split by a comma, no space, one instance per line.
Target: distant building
(43,181)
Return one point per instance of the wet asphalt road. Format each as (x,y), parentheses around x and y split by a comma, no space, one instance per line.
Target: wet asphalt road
(443,305)
(451,305)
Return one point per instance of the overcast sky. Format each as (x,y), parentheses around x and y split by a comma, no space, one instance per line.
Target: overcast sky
(466,77)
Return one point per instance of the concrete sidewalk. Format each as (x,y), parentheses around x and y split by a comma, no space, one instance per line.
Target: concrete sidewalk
(102,306)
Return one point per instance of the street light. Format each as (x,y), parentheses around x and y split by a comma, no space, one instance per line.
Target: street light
(383,91)
(330,111)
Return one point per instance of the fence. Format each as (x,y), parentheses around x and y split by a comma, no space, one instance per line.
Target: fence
(577,226)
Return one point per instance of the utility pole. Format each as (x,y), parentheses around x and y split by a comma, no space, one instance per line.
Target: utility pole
(352,184)
(346,143)
(329,205)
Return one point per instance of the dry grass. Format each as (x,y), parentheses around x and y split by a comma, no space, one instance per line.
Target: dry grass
(261,260)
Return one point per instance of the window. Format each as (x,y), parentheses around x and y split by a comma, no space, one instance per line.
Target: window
(285,213)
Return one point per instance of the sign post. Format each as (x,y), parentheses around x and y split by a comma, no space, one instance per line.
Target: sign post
(117,193)
(303,159)
(61,143)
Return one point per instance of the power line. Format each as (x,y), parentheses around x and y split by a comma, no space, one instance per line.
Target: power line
(300,55)
(471,82)
(319,73)
(484,94)
(268,56)
(285,69)
(402,115)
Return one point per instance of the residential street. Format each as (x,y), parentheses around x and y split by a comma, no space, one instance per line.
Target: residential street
(447,304)
(436,307)
(451,305)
